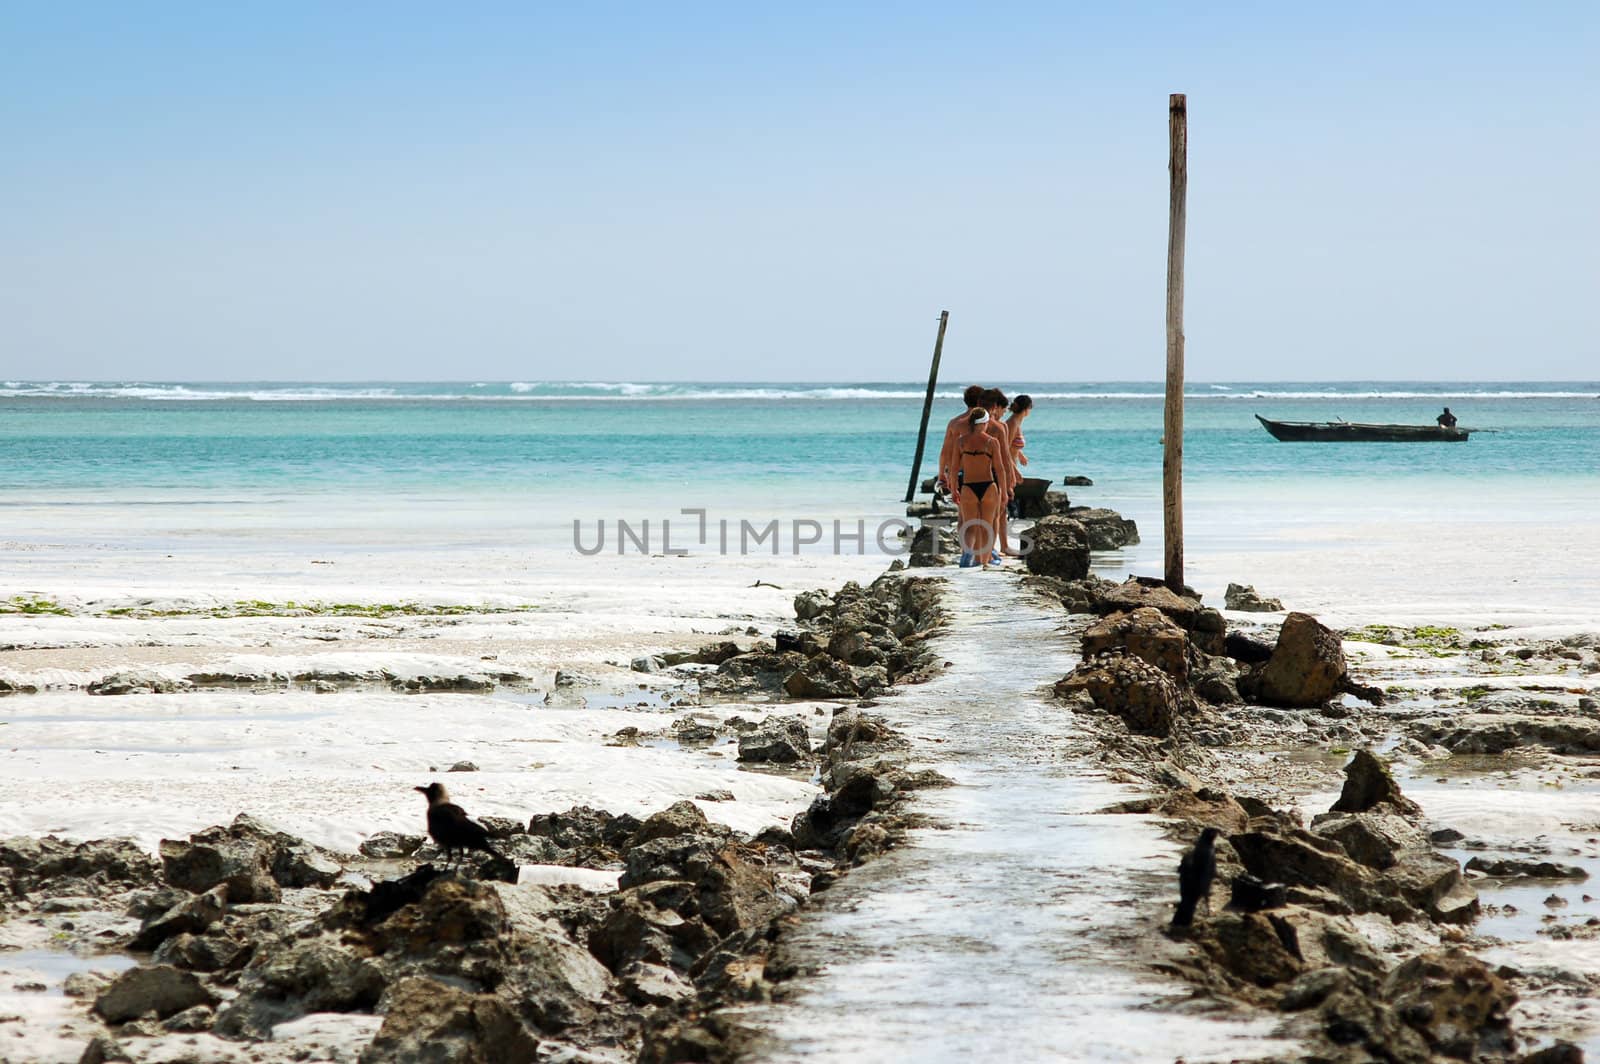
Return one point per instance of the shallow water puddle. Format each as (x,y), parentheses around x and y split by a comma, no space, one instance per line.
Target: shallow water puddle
(51,967)
(1518,814)
(1011,927)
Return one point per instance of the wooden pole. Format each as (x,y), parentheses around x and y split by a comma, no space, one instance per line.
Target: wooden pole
(927,405)
(1172,421)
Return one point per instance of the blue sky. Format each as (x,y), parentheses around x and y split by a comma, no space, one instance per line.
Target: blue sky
(699,191)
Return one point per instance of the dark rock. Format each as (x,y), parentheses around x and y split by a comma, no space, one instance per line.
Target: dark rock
(809,605)
(654,984)
(1245,599)
(54,866)
(253,859)
(647,925)
(1146,698)
(429,1022)
(1135,592)
(1043,505)
(502,827)
(1512,867)
(1246,648)
(127,683)
(202,953)
(1480,733)
(822,677)
(103,1049)
(1297,858)
(1077,482)
(779,741)
(194,915)
(1433,883)
(284,982)
(391,845)
(803,643)
(1249,947)
(1455,1002)
(731,892)
(1557,1053)
(1251,895)
(1058,546)
(1369,784)
(1313,988)
(1307,667)
(680,818)
(716,653)
(583,828)
(1373,839)
(933,539)
(157,988)
(192,1020)
(1215,678)
(1106,529)
(1147,634)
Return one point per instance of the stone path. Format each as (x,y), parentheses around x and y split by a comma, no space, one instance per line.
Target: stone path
(1006,931)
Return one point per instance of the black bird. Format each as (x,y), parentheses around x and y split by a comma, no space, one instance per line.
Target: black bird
(1195,873)
(450,827)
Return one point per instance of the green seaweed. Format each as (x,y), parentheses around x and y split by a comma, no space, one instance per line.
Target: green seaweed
(1427,640)
(33,604)
(1472,694)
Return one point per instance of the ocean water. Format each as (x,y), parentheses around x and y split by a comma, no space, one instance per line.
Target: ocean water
(353,466)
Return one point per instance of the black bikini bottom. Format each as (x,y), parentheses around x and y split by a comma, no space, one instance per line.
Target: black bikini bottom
(979,487)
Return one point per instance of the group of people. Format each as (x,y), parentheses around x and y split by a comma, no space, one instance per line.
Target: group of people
(980,466)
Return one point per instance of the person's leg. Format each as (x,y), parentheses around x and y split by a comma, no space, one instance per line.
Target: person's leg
(966,530)
(989,513)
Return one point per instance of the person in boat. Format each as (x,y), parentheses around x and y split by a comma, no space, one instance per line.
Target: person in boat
(1020,408)
(980,467)
(1446,420)
(947,479)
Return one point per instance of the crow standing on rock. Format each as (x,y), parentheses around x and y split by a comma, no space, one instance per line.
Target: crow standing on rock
(1195,873)
(449,826)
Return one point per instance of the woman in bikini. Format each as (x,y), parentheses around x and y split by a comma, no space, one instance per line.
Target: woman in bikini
(982,464)
(1021,406)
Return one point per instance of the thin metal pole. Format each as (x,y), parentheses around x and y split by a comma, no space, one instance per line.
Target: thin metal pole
(1172,420)
(927,405)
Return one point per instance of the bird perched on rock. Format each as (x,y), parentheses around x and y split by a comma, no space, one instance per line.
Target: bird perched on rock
(450,827)
(1195,873)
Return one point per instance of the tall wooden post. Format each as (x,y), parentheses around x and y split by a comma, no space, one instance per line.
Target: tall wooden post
(1172,421)
(927,405)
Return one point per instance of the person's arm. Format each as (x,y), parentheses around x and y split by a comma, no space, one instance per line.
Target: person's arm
(945,453)
(1002,469)
(1005,460)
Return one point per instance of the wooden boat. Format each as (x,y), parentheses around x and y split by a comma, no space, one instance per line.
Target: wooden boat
(1352,432)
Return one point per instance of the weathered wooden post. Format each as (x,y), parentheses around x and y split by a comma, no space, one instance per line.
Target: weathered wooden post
(927,406)
(1172,422)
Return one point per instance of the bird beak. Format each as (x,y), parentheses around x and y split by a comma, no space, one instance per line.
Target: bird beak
(424,790)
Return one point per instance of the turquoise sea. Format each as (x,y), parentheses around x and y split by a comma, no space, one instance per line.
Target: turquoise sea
(362,465)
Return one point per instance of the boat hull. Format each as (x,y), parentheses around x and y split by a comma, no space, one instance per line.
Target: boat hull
(1350,432)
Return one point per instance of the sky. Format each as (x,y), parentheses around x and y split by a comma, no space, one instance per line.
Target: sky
(398,191)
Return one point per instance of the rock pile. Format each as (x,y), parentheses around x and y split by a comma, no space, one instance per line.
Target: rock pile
(1244,598)
(853,643)
(1288,940)
(247,928)
(1194,661)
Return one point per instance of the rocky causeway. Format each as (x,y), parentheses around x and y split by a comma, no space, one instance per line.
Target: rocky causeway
(957,802)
